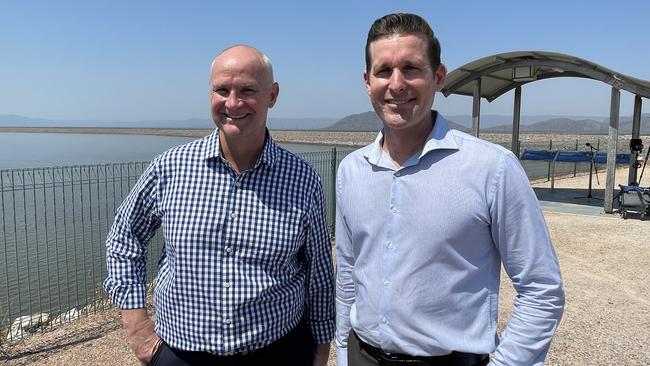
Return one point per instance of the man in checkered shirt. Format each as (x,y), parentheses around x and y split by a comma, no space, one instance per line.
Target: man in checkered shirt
(245,276)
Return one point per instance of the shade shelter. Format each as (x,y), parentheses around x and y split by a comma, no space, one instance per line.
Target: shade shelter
(492,76)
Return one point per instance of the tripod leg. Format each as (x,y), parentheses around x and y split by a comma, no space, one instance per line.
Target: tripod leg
(591,170)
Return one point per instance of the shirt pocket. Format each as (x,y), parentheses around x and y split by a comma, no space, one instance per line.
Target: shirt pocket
(272,236)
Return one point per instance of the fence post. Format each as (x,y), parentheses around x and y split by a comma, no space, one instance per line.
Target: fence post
(553,171)
(548,175)
(575,165)
(333,190)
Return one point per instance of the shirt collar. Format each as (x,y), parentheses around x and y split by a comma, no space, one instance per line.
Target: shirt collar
(212,149)
(439,138)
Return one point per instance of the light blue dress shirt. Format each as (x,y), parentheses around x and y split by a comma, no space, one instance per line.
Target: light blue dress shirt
(419,252)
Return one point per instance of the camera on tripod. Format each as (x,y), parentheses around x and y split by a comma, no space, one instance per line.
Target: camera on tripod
(636,145)
(636,148)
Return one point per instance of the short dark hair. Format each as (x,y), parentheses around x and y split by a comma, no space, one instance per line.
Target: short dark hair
(402,24)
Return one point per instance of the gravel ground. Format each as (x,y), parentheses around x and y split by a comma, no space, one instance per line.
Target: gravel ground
(605,263)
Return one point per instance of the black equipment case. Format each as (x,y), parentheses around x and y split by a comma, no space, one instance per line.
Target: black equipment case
(634,199)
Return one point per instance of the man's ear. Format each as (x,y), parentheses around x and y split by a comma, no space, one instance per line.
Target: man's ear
(275,91)
(366,79)
(440,76)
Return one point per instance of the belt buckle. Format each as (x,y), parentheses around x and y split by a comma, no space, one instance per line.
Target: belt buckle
(391,360)
(237,353)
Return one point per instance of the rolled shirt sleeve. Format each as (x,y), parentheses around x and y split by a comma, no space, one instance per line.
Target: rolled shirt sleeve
(135,223)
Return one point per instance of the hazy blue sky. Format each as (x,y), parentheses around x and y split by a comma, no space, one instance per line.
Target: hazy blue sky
(137,60)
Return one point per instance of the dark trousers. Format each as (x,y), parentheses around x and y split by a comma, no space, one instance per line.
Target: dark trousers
(361,354)
(295,348)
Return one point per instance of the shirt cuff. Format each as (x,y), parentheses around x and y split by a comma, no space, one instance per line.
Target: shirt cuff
(127,296)
(323,331)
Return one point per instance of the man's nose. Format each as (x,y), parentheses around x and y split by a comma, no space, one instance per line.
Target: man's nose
(397,81)
(232,100)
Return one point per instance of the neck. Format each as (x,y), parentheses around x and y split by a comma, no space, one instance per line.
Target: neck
(400,145)
(241,153)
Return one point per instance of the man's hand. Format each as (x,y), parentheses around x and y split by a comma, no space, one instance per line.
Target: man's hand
(321,354)
(140,334)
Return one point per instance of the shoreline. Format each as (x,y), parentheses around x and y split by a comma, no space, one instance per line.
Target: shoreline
(311,137)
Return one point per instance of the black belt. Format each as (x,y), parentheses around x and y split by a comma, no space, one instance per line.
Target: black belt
(452,359)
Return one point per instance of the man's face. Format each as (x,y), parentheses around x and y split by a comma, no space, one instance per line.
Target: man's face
(242,92)
(401,83)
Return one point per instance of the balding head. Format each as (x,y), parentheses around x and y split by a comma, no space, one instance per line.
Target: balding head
(238,55)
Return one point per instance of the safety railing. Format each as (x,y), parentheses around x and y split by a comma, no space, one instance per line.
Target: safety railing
(53,225)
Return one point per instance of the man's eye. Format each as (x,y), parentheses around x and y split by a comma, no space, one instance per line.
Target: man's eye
(382,73)
(248,92)
(221,91)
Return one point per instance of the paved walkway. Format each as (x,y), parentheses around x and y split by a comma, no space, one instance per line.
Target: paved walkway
(570,195)
(574,201)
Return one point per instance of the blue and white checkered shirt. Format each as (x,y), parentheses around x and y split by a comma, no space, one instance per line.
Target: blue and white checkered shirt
(246,256)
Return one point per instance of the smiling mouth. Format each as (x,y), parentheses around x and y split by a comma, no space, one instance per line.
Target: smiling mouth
(399,102)
(233,117)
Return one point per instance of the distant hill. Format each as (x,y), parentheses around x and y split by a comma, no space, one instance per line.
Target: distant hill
(368,121)
(571,126)
(494,120)
(625,125)
(556,126)
(12,120)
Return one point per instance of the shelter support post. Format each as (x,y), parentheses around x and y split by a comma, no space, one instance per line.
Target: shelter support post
(516,116)
(612,143)
(476,107)
(636,132)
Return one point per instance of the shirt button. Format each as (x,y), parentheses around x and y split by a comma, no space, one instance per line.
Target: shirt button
(227,284)
(393,208)
(227,321)
(384,320)
(390,245)
(398,174)
(228,249)
(386,283)
(233,215)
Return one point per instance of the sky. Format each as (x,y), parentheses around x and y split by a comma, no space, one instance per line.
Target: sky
(149,60)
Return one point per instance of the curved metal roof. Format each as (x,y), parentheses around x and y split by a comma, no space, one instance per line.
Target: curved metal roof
(498,76)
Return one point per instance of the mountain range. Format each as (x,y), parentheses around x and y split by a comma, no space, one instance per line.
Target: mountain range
(367,121)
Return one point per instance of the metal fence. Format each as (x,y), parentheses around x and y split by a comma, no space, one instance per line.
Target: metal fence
(53,225)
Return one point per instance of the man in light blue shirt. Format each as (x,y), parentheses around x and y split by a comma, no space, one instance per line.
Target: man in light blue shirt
(426,216)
